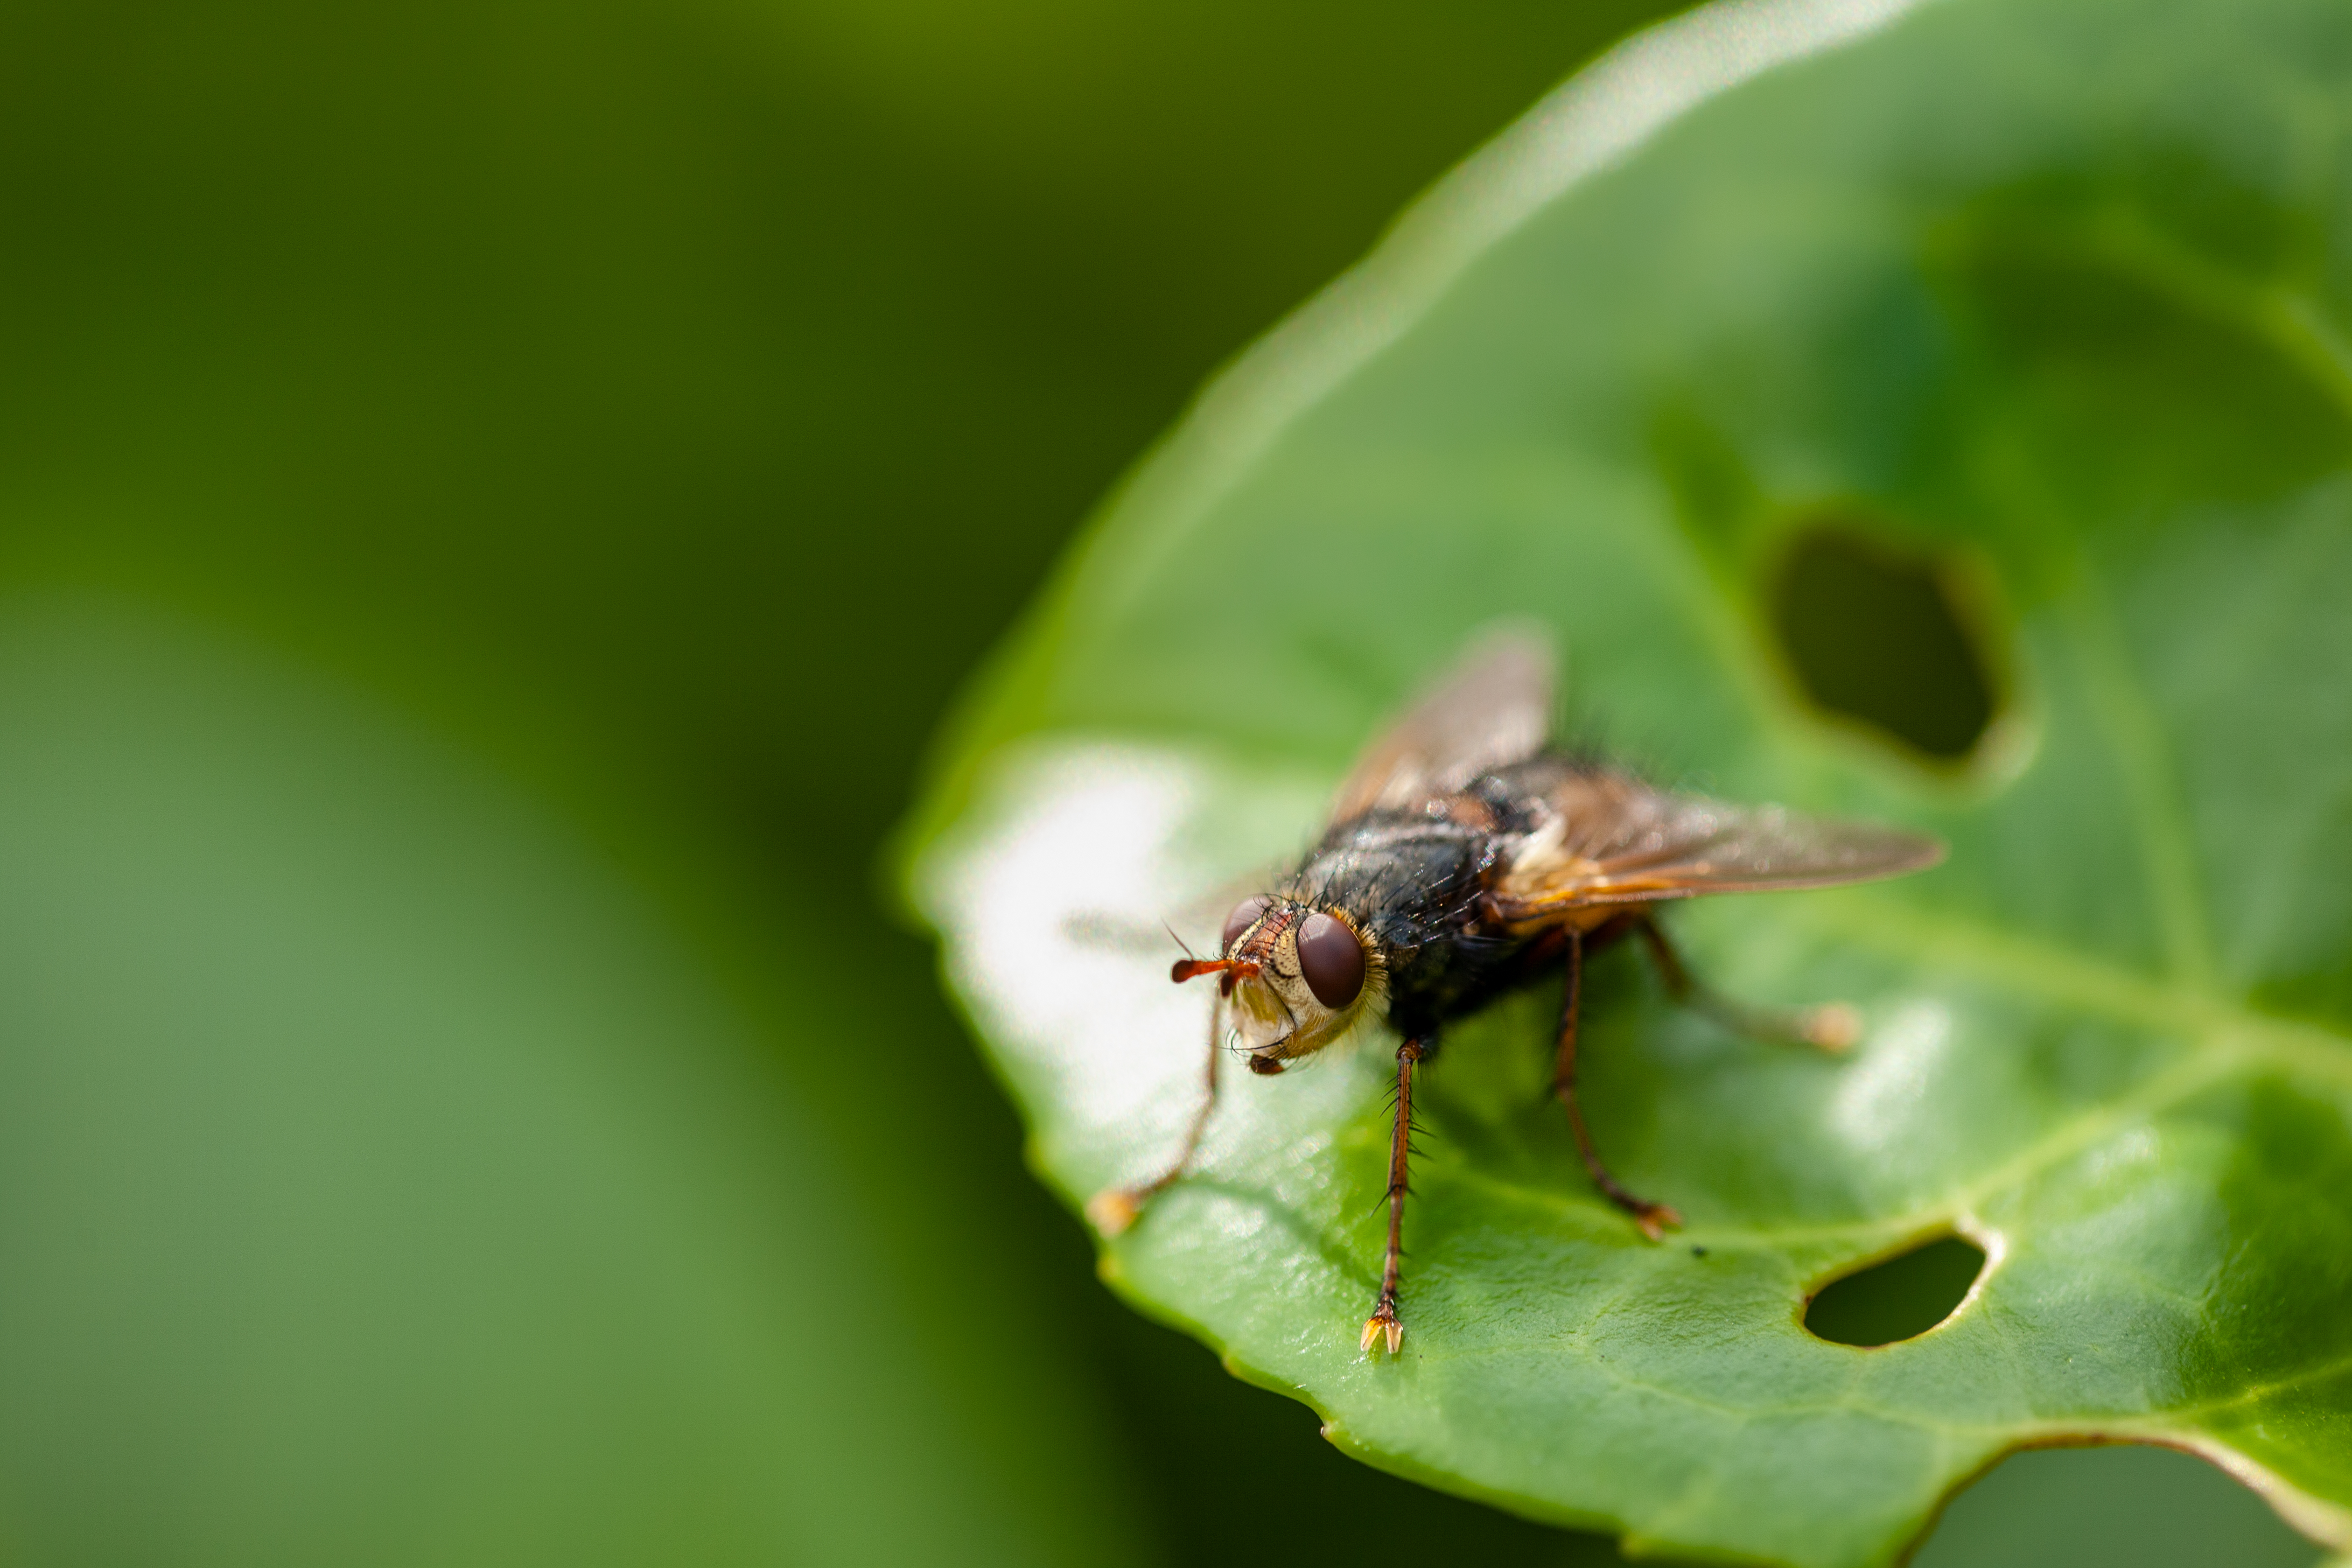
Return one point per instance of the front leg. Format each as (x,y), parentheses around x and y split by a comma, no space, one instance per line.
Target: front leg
(1383,1319)
(1114,1209)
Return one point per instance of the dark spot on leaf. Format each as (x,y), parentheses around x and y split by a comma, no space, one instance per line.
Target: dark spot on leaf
(1699,1251)
(1899,1299)
(1873,634)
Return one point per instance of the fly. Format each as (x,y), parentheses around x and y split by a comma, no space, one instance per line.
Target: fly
(1465,859)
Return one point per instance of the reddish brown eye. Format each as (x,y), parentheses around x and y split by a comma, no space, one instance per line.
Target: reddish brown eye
(1331,959)
(1244,916)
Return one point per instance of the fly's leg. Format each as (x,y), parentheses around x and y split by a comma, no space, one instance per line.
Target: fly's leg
(1653,1218)
(1832,1026)
(1383,1320)
(1114,1209)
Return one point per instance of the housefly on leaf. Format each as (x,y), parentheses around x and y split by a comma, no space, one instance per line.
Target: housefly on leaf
(1465,859)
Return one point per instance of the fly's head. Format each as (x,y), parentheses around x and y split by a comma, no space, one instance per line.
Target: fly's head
(1297,977)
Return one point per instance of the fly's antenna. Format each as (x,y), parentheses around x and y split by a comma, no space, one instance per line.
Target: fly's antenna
(1193,968)
(1179,941)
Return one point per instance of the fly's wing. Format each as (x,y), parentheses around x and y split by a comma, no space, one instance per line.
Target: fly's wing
(1615,840)
(1493,710)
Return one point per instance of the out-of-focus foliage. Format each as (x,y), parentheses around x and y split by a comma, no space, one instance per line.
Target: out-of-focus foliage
(2056,295)
(385,1179)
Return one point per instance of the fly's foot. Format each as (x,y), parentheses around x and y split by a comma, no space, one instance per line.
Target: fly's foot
(1834,1026)
(1114,1209)
(1383,1322)
(1656,1220)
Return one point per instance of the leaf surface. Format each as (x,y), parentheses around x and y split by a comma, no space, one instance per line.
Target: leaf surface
(2050,296)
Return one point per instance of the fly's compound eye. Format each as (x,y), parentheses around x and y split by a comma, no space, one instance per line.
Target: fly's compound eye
(1331,959)
(1244,916)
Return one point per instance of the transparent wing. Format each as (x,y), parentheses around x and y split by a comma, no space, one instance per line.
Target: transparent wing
(1617,841)
(1493,709)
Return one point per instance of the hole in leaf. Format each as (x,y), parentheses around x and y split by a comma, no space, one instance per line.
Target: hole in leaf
(1873,633)
(1899,1299)
(2111,1508)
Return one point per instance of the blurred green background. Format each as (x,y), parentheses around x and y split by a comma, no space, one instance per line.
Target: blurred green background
(493,501)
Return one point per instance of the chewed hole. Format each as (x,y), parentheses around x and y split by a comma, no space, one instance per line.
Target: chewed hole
(2125,1507)
(1873,634)
(1898,1298)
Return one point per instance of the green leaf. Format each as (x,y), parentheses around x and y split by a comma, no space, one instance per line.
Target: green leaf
(2051,298)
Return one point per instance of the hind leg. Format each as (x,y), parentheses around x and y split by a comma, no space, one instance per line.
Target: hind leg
(1653,1218)
(1832,1026)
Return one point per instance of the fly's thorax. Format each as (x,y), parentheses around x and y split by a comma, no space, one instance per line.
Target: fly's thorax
(1301,975)
(1389,867)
